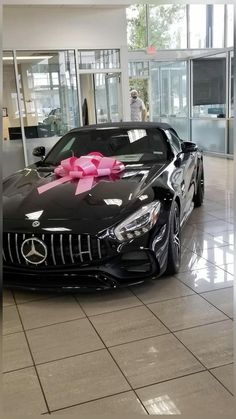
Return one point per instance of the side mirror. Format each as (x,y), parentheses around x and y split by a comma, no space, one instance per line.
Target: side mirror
(39,152)
(188,147)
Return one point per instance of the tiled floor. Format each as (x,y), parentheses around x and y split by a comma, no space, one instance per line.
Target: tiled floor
(165,347)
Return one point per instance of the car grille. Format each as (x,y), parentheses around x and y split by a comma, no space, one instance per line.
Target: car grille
(62,249)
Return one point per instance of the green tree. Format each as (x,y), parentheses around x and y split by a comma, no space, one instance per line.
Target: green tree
(164,25)
(137,26)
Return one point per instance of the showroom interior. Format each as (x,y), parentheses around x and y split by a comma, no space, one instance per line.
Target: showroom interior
(164,346)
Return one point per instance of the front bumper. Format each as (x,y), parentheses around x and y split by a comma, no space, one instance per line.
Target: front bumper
(128,268)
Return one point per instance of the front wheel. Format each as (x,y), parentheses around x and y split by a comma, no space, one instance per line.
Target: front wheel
(174,248)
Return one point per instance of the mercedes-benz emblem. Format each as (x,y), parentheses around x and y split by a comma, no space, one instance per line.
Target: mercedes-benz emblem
(34,251)
(35,224)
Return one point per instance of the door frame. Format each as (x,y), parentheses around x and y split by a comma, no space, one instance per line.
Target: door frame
(109,73)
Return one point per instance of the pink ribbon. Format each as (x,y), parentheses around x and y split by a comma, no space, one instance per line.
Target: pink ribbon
(85,169)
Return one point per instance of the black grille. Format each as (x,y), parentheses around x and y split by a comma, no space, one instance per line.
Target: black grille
(62,249)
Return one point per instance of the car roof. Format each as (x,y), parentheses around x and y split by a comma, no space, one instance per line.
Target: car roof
(125,124)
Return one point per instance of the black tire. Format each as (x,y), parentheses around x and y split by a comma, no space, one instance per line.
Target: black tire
(174,248)
(199,196)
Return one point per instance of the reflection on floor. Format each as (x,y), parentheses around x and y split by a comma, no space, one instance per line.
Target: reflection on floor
(162,348)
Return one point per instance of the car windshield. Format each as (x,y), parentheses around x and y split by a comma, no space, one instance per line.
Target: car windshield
(127,145)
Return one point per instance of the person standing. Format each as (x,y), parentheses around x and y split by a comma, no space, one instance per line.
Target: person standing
(137,108)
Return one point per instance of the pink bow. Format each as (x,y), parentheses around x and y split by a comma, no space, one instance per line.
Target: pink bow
(85,169)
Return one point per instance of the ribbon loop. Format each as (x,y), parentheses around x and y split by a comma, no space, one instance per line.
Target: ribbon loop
(84,169)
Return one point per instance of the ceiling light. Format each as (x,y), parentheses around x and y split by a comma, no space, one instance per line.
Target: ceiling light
(33,57)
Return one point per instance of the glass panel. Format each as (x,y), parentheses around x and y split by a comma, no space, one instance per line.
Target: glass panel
(99,59)
(100,98)
(230,25)
(180,125)
(138,69)
(209,87)
(218,26)
(48,90)
(113,97)
(232,84)
(167,26)
(209,134)
(136,26)
(13,156)
(197,25)
(107,97)
(165,90)
(173,89)
(170,79)
(155,91)
(231,136)
(231,106)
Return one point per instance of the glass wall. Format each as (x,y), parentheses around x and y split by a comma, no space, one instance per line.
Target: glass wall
(99,59)
(201,111)
(231,93)
(137,26)
(169,94)
(230,25)
(197,27)
(48,93)
(209,86)
(138,69)
(209,134)
(13,155)
(209,103)
(43,84)
(155,99)
(217,28)
(231,106)
(167,26)
(196,104)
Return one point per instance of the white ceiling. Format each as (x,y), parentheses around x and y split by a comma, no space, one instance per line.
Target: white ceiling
(68,3)
(99,3)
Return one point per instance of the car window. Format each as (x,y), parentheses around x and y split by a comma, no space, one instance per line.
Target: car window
(126,145)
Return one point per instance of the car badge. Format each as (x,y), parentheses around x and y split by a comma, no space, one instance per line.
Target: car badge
(35,224)
(34,251)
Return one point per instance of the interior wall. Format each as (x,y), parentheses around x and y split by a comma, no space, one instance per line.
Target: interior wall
(58,28)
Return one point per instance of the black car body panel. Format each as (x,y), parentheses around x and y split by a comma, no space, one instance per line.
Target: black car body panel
(78,231)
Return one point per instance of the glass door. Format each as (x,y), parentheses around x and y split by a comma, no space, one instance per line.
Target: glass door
(113,95)
(107,97)
(100,98)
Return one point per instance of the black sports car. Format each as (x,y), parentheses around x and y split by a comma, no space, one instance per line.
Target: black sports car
(124,229)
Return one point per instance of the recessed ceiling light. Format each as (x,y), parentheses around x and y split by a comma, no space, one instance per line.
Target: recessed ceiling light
(33,57)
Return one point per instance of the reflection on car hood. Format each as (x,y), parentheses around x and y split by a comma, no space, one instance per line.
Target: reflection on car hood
(108,200)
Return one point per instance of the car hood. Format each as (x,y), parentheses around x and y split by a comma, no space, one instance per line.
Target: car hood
(108,200)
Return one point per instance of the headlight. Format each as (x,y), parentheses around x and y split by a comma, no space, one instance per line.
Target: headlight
(138,223)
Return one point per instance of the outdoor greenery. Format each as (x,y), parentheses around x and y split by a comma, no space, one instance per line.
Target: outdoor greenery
(164,26)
